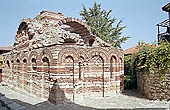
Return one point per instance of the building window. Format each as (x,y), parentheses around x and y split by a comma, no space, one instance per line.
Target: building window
(34,64)
(45,59)
(8,64)
(22,28)
(69,40)
(24,61)
(18,63)
(80,70)
(81,61)
(91,41)
(46,64)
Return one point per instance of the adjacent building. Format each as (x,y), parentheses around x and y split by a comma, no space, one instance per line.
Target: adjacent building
(164,25)
(2,51)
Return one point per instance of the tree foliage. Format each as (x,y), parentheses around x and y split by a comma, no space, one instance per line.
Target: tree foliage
(152,57)
(102,25)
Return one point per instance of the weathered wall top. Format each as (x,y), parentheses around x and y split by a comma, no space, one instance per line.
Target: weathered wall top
(49,28)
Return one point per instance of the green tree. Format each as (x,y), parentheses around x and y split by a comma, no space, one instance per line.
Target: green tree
(102,25)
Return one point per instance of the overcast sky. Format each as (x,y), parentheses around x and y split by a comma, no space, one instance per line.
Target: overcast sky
(139,16)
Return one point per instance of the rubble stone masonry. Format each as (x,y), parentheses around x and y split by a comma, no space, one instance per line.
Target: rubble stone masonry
(58,58)
(153,86)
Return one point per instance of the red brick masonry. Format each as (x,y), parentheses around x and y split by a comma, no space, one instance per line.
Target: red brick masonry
(59,63)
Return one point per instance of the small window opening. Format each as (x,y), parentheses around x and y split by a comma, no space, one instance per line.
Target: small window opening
(46,66)
(45,59)
(33,60)
(8,64)
(24,61)
(80,70)
(22,27)
(18,64)
(18,61)
(34,64)
(12,61)
(69,41)
(91,41)
(30,37)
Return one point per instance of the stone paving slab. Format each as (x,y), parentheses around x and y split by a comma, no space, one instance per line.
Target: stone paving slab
(14,106)
(6,100)
(3,108)
(117,102)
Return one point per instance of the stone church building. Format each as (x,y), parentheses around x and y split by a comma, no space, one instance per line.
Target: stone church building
(57,58)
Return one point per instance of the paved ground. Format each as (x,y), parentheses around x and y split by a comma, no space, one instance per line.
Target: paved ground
(129,100)
(2,107)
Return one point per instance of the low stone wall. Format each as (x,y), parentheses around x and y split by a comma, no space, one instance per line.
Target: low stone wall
(153,87)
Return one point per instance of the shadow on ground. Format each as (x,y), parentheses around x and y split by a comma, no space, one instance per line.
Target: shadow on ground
(67,105)
(134,93)
(59,102)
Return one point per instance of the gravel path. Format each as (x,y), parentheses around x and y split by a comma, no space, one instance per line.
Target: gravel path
(128,100)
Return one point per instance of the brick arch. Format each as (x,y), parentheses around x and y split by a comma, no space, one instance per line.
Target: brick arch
(22,25)
(8,63)
(79,26)
(113,64)
(5,58)
(98,51)
(24,56)
(121,63)
(113,54)
(18,57)
(99,57)
(121,59)
(82,53)
(65,51)
(17,62)
(33,54)
(12,59)
(68,54)
(46,53)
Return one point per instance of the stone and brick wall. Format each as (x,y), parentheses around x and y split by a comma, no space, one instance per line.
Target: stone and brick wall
(153,86)
(62,65)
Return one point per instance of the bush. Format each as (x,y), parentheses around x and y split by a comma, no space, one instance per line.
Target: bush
(149,58)
(130,82)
